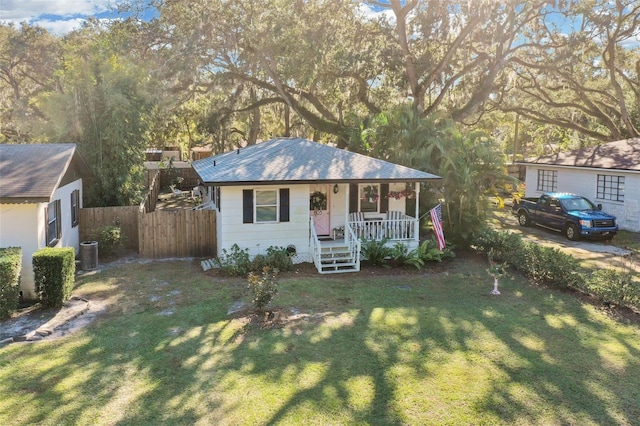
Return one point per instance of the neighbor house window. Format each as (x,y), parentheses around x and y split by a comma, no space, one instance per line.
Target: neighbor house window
(547,180)
(610,188)
(265,205)
(54,231)
(369,198)
(75,208)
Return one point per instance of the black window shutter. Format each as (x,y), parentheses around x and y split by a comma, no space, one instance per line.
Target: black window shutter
(353,197)
(384,199)
(284,204)
(59,219)
(46,226)
(247,206)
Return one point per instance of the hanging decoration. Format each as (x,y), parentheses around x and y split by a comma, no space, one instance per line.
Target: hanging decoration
(317,201)
(410,194)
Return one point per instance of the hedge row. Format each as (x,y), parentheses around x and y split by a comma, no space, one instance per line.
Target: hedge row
(10,266)
(552,267)
(54,270)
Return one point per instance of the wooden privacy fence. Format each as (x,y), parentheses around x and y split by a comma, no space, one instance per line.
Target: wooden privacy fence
(159,234)
(181,233)
(91,220)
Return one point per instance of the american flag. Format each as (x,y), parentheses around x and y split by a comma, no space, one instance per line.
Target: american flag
(436,218)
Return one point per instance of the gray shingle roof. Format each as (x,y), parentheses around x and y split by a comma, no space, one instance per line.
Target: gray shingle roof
(299,160)
(32,173)
(619,155)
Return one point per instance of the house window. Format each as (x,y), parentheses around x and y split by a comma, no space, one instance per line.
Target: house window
(547,180)
(265,206)
(75,208)
(369,198)
(610,188)
(52,214)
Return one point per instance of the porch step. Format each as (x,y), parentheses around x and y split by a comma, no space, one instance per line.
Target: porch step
(339,270)
(335,259)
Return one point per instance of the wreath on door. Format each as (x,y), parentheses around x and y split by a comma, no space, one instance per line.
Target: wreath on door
(317,201)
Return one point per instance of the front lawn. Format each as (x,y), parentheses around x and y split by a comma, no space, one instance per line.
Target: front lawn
(358,349)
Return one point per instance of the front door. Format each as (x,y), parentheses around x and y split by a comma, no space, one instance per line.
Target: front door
(319,209)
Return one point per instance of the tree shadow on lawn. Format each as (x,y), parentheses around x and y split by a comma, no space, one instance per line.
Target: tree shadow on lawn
(419,349)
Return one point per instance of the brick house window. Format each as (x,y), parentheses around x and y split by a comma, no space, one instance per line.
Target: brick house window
(610,188)
(547,180)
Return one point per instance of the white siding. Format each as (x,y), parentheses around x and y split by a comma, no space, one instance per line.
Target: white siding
(339,205)
(584,182)
(70,235)
(257,237)
(23,225)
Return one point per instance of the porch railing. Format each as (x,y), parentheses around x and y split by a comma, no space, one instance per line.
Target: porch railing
(378,229)
(314,244)
(354,245)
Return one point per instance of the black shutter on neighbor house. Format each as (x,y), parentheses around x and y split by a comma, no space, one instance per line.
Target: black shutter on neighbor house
(247,206)
(353,197)
(384,199)
(284,204)
(47,235)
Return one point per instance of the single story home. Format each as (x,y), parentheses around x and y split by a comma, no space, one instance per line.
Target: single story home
(608,174)
(317,200)
(40,201)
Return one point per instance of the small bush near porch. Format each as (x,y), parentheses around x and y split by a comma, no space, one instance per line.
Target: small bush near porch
(177,347)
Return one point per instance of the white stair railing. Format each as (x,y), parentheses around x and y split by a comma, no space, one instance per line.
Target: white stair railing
(314,245)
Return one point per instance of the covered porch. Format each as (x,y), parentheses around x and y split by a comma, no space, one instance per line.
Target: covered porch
(352,213)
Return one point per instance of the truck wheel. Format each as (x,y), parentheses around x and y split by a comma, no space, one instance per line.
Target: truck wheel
(572,232)
(523,219)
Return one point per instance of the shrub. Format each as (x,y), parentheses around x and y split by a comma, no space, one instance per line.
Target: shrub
(110,239)
(545,265)
(400,253)
(10,266)
(504,246)
(54,270)
(259,262)
(428,251)
(279,258)
(234,262)
(264,287)
(376,252)
(550,266)
(614,287)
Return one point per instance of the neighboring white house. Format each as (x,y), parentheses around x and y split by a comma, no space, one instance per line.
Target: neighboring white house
(40,201)
(315,199)
(608,174)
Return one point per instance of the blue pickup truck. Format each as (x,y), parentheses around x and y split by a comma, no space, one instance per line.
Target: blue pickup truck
(572,214)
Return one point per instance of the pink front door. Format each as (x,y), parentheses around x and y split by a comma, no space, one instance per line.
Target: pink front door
(319,208)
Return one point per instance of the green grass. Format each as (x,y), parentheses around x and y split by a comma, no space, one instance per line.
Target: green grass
(424,349)
(628,240)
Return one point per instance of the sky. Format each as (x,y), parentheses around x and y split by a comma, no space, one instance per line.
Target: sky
(57,16)
(63,16)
